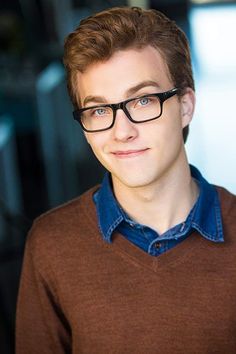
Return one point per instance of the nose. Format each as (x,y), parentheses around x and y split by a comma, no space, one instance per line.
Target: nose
(124,129)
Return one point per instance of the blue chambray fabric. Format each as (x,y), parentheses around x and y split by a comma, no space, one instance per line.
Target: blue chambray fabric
(205,217)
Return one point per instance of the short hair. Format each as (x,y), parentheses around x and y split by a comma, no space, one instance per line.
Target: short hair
(99,36)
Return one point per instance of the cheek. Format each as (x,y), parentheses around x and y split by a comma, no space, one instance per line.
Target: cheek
(87,137)
(174,122)
(167,134)
(168,127)
(96,141)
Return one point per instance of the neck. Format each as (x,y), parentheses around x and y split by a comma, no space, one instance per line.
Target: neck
(163,204)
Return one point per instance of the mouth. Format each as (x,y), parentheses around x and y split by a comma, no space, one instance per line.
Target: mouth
(129,153)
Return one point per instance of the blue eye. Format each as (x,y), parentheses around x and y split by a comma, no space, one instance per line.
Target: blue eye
(100,111)
(144,101)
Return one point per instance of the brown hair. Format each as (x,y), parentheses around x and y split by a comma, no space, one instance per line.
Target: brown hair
(98,37)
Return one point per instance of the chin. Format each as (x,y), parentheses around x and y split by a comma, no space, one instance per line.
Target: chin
(135,181)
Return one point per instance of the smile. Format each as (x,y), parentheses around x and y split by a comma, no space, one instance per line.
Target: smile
(129,153)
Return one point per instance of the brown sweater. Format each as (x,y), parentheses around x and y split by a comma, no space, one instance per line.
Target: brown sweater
(79,294)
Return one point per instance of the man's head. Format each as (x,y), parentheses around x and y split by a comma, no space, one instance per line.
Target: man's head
(100,36)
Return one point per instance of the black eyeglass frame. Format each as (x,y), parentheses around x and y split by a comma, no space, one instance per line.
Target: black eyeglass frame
(162,96)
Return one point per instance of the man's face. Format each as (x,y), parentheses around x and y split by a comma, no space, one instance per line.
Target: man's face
(137,155)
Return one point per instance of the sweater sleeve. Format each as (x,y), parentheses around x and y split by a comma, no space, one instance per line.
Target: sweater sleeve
(41,327)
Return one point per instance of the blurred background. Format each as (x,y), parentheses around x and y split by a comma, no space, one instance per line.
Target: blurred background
(44,159)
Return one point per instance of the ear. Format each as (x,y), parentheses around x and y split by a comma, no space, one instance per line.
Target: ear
(187,106)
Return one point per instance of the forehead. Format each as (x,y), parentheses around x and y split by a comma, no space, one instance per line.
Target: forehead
(125,69)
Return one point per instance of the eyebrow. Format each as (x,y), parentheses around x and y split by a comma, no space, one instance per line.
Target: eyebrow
(141,85)
(129,92)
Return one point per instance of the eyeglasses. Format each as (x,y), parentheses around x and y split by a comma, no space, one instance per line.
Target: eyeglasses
(138,110)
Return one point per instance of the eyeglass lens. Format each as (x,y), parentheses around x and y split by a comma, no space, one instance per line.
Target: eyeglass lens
(140,109)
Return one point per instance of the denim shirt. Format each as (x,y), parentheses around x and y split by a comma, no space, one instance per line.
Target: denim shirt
(205,217)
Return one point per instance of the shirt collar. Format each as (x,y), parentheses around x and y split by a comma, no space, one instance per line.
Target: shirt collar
(206,218)
(108,210)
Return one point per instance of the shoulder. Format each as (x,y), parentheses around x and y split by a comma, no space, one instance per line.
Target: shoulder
(63,228)
(69,212)
(227,199)
(228,206)
(70,208)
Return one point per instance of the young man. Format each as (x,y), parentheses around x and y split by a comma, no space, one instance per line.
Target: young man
(144,263)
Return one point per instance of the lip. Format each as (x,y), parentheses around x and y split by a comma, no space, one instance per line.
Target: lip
(121,154)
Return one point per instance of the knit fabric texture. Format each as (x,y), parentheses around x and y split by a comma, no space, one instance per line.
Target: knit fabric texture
(79,294)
